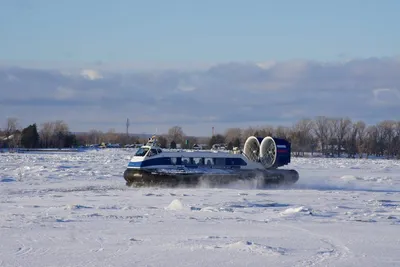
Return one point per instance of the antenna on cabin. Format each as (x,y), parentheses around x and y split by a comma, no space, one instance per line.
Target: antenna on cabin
(127,127)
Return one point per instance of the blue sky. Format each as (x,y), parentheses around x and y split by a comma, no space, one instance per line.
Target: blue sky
(197,64)
(202,31)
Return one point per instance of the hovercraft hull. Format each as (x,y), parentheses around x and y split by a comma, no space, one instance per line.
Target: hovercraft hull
(192,178)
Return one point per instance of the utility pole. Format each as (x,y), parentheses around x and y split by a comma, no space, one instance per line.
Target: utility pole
(127,127)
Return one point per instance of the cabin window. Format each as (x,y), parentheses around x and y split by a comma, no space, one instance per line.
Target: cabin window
(219,161)
(235,162)
(174,161)
(152,152)
(198,161)
(185,161)
(141,152)
(230,162)
(208,161)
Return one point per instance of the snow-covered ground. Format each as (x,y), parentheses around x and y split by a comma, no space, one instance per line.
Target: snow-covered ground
(74,209)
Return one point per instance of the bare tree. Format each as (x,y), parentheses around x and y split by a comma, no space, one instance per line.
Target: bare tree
(176,134)
(162,141)
(13,134)
(301,136)
(321,131)
(46,133)
(61,129)
(333,129)
(267,131)
(111,136)
(361,133)
(371,140)
(11,126)
(95,136)
(282,132)
(386,134)
(61,126)
(250,131)
(396,139)
(232,134)
(342,128)
(355,140)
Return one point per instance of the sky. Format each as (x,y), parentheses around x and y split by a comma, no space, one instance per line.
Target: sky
(197,64)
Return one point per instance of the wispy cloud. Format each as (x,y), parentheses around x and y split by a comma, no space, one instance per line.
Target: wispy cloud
(229,94)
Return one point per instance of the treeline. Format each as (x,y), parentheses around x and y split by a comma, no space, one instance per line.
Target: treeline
(50,135)
(333,137)
(54,134)
(324,135)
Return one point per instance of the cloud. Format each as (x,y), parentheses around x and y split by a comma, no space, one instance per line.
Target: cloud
(266,65)
(91,74)
(223,95)
(186,88)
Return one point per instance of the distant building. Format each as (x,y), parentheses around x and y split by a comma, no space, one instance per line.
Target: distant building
(199,146)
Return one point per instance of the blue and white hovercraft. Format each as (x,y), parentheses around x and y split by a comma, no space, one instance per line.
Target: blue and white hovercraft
(259,161)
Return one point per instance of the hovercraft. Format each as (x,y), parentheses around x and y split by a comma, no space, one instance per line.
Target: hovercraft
(259,161)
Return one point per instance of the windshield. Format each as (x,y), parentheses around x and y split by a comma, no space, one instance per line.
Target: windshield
(141,152)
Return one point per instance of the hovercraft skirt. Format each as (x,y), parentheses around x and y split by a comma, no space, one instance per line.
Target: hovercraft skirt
(177,178)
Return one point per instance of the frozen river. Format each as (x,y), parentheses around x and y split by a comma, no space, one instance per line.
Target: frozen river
(73,209)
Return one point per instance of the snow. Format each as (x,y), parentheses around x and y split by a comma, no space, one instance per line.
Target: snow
(73,209)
